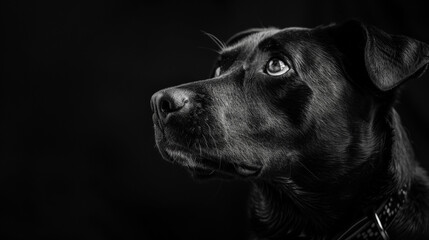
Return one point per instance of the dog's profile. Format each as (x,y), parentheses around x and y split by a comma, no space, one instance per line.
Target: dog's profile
(306,116)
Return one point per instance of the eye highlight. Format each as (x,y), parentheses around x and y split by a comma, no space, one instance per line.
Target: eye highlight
(276,67)
(217,72)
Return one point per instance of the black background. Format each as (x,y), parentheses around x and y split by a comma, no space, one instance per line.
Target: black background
(78,159)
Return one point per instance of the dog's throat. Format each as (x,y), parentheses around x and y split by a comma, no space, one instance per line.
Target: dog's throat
(278,211)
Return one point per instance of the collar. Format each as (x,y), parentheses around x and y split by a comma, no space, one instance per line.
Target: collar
(376,223)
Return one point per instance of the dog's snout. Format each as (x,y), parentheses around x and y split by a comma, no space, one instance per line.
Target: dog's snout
(172,103)
(169,102)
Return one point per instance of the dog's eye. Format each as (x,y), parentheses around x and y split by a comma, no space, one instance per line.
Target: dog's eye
(217,72)
(276,67)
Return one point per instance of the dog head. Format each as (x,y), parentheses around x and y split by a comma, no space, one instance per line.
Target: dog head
(295,102)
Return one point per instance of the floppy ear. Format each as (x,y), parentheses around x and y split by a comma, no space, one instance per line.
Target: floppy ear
(388,60)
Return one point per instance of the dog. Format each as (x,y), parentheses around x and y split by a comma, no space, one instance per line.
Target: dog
(307,116)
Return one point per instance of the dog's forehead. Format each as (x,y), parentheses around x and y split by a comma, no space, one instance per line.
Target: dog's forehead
(255,40)
(251,40)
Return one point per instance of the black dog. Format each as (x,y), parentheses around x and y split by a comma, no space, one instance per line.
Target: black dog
(307,116)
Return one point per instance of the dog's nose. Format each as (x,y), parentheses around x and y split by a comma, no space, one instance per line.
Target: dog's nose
(170,102)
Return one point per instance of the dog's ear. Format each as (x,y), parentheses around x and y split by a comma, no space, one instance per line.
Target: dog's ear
(387,60)
(240,35)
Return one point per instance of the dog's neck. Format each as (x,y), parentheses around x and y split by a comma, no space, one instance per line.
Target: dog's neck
(280,207)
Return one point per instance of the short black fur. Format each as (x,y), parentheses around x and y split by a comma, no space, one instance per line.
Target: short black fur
(321,144)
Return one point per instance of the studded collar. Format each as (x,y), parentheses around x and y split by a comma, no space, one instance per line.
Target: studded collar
(375,225)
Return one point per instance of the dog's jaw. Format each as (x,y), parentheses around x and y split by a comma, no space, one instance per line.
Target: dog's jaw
(204,165)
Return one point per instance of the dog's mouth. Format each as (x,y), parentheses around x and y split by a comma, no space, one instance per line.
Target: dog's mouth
(205,166)
(202,163)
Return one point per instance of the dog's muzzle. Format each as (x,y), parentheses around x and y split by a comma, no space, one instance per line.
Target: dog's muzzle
(186,133)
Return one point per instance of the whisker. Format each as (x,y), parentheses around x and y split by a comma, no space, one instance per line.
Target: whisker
(211,49)
(216,40)
(200,149)
(214,142)
(205,140)
(307,169)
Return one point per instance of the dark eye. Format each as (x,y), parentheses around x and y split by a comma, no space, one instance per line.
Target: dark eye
(217,72)
(276,67)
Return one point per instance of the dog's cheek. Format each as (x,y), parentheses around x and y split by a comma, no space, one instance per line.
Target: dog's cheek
(293,102)
(229,109)
(288,99)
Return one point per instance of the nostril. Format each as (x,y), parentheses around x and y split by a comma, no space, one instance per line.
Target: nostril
(166,106)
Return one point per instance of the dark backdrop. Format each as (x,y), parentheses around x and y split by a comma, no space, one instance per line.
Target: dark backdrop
(78,159)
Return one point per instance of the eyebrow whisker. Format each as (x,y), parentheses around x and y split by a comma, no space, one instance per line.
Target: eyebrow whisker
(221,45)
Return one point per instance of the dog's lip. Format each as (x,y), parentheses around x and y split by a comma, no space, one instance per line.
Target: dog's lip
(204,173)
(207,167)
(248,170)
(242,171)
(156,121)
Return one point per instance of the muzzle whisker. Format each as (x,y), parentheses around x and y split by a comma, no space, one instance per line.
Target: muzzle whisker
(314,175)
(200,149)
(215,145)
(205,140)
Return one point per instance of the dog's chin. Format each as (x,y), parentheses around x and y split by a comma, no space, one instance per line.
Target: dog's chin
(206,167)
(194,166)
(205,174)
(200,163)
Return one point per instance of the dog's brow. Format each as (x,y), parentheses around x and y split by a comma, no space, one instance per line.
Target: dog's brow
(229,54)
(269,44)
